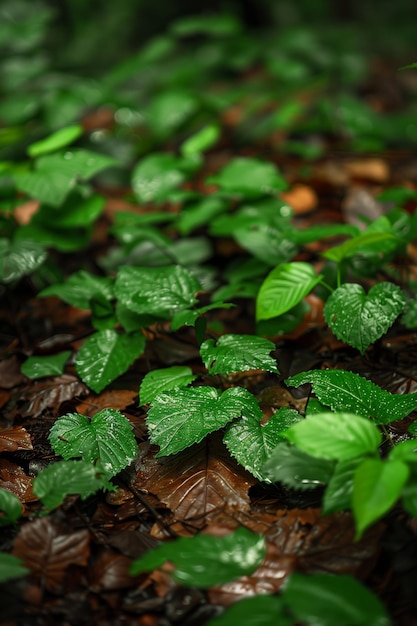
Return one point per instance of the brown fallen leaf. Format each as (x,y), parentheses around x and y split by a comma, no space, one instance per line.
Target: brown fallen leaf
(375,170)
(110,571)
(10,374)
(16,438)
(48,550)
(14,479)
(301,198)
(50,393)
(108,399)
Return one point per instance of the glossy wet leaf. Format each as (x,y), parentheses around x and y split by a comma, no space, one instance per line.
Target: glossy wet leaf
(181,417)
(107,437)
(249,177)
(11,567)
(57,140)
(377,485)
(297,469)
(360,319)
(326,600)
(338,494)
(41,366)
(65,478)
(159,291)
(337,436)
(345,391)
(166,379)
(356,244)
(284,287)
(10,508)
(156,175)
(106,355)
(251,443)
(260,610)
(220,560)
(191,317)
(238,353)
(19,258)
(79,289)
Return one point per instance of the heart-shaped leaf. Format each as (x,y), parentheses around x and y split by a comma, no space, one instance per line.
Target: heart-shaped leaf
(107,438)
(238,353)
(360,319)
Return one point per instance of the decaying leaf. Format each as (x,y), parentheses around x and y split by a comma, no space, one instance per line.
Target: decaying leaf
(16,438)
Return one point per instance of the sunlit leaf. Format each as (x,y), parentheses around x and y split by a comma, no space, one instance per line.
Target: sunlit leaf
(64,478)
(360,319)
(202,140)
(158,381)
(337,436)
(106,438)
(220,560)
(59,139)
(40,366)
(106,355)
(285,287)
(348,392)
(238,353)
(19,258)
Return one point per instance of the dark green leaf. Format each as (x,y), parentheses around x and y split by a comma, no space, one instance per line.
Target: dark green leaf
(40,366)
(360,319)
(80,288)
(338,494)
(345,391)
(11,567)
(220,559)
(19,258)
(65,478)
(165,379)
(199,213)
(260,610)
(238,353)
(106,355)
(189,318)
(356,244)
(296,469)
(106,438)
(10,507)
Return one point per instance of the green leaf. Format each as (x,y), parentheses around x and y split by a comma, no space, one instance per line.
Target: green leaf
(259,610)
(76,212)
(59,139)
(65,478)
(56,174)
(40,366)
(169,110)
(337,436)
(360,319)
(199,213)
(106,438)
(249,177)
(356,244)
(220,559)
(218,24)
(80,288)
(408,67)
(11,567)
(377,485)
(19,258)
(326,600)
(159,291)
(238,353)
(338,494)
(156,175)
(266,243)
(252,443)
(285,287)
(296,469)
(10,507)
(409,317)
(165,379)
(351,393)
(189,318)
(106,355)
(404,451)
(179,418)
(202,140)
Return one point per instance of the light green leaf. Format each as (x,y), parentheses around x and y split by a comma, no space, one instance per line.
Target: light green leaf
(338,494)
(354,245)
(41,366)
(202,140)
(169,110)
(80,288)
(327,600)
(238,353)
(296,469)
(10,506)
(179,418)
(11,567)
(65,478)
(19,258)
(337,436)
(259,610)
(156,175)
(360,319)
(59,139)
(377,485)
(285,287)
(159,291)
(106,438)
(106,355)
(404,451)
(349,392)
(220,559)
(251,443)
(165,379)
(249,177)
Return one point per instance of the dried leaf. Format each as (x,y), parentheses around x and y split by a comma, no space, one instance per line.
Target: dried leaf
(16,438)
(110,571)
(10,374)
(51,393)
(48,550)
(14,479)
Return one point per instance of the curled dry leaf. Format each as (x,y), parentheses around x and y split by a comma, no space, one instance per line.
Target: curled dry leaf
(16,438)
(48,550)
